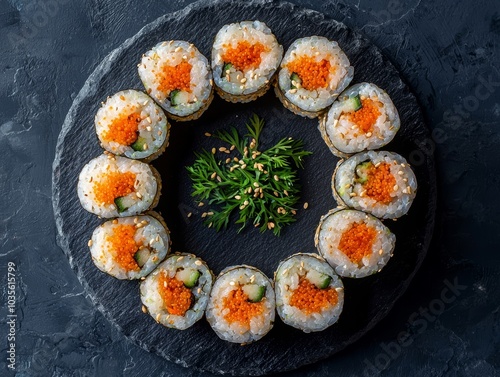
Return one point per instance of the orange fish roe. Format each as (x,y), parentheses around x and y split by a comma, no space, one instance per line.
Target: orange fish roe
(357,241)
(123,246)
(176,297)
(311,299)
(380,183)
(313,74)
(240,309)
(366,117)
(175,78)
(244,56)
(123,129)
(112,186)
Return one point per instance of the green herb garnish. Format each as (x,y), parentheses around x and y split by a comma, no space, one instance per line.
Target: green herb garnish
(262,186)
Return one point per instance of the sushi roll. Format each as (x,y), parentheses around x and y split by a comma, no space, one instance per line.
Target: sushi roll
(131,124)
(176,293)
(309,294)
(362,118)
(354,243)
(130,247)
(245,57)
(178,77)
(241,306)
(313,73)
(112,186)
(381,183)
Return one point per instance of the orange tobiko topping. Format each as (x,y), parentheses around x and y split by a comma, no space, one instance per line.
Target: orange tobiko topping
(123,129)
(241,310)
(357,241)
(123,246)
(380,183)
(244,56)
(113,185)
(311,299)
(367,115)
(313,74)
(175,78)
(176,297)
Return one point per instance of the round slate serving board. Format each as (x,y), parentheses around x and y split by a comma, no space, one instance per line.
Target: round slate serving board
(367,300)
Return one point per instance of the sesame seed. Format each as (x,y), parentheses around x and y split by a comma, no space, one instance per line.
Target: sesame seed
(204,214)
(145,146)
(177,49)
(208,134)
(144,309)
(214,174)
(380,252)
(232,283)
(138,194)
(400,172)
(339,289)
(214,150)
(89,243)
(408,189)
(306,204)
(395,188)
(293,91)
(276,178)
(201,204)
(256,184)
(158,316)
(352,194)
(243,80)
(148,128)
(197,262)
(285,192)
(369,134)
(189,214)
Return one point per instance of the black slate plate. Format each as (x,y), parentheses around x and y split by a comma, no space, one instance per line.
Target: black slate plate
(367,300)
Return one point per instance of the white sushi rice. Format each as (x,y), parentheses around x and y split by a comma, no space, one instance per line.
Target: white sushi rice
(251,80)
(151,298)
(172,53)
(347,137)
(319,48)
(287,278)
(352,194)
(230,279)
(330,231)
(145,185)
(150,233)
(152,129)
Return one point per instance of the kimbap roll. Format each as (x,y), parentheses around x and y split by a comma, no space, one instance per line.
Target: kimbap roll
(178,77)
(362,118)
(113,186)
(241,306)
(130,247)
(245,57)
(309,294)
(176,293)
(131,124)
(313,73)
(381,183)
(354,243)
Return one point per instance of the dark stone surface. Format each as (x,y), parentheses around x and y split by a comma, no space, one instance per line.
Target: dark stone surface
(445,50)
(367,300)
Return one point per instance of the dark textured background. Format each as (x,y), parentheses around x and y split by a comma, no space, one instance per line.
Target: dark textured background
(445,51)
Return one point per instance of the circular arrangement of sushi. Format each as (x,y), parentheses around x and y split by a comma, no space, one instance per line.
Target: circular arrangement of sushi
(312,80)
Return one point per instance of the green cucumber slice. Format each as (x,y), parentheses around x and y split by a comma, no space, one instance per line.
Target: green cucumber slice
(123,203)
(352,104)
(319,279)
(141,256)
(139,144)
(295,77)
(189,276)
(227,67)
(254,292)
(362,171)
(174,97)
